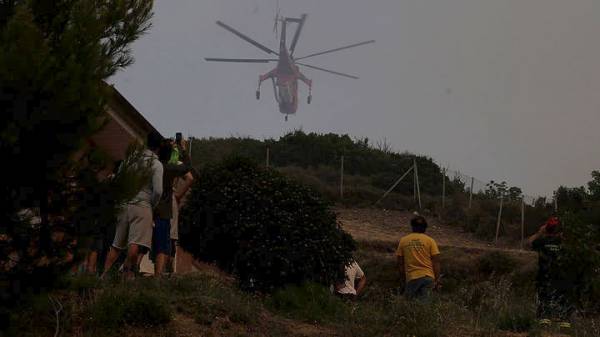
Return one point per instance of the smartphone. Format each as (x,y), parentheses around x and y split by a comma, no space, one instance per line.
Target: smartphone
(178,138)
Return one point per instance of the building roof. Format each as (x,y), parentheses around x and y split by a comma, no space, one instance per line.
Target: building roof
(126,110)
(123,125)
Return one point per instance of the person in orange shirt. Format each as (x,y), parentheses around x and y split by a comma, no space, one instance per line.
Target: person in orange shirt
(419,261)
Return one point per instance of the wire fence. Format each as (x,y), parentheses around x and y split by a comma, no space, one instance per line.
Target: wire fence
(492,209)
(478,186)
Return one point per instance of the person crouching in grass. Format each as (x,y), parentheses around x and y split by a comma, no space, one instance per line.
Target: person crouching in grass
(354,284)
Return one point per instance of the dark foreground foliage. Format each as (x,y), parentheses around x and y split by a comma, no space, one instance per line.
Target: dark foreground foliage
(263,227)
(580,260)
(117,307)
(54,57)
(480,304)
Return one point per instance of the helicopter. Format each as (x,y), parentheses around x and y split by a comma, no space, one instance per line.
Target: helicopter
(286,74)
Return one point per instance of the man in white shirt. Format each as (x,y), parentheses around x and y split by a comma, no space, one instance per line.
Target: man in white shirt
(355,283)
(135,223)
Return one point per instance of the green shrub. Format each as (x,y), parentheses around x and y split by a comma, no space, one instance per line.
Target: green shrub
(263,227)
(82,282)
(454,212)
(395,316)
(117,307)
(457,268)
(238,307)
(206,298)
(586,326)
(310,302)
(516,318)
(497,263)
(486,228)
(38,318)
(580,259)
(207,313)
(381,269)
(523,278)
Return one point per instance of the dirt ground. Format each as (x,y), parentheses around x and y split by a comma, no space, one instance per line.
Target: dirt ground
(185,326)
(389,226)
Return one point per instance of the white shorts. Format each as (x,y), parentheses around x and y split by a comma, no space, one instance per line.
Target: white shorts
(134,227)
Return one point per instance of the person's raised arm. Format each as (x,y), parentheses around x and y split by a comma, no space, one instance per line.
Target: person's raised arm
(188,180)
(362,283)
(536,236)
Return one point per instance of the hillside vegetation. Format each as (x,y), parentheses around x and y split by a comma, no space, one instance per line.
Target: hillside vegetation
(323,152)
(370,170)
(486,293)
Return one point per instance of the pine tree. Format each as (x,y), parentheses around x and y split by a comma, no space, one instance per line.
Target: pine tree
(54,58)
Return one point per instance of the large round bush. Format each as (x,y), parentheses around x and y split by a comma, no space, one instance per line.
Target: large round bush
(263,227)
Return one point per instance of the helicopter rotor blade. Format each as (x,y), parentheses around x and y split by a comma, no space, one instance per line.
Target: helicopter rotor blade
(246,38)
(336,49)
(328,71)
(297,34)
(212,59)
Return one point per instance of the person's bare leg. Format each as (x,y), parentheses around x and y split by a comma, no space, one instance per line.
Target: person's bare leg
(161,262)
(111,258)
(92,262)
(83,266)
(132,259)
(170,264)
(140,257)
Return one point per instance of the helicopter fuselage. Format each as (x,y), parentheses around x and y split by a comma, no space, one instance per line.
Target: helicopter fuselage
(286,74)
(285,78)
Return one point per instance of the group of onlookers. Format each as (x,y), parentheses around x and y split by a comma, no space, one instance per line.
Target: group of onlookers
(418,261)
(149,222)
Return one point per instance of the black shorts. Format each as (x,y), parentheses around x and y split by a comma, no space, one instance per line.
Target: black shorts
(161,240)
(97,245)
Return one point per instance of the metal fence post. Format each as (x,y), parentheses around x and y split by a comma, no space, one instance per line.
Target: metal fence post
(522,223)
(414,185)
(499,218)
(342,179)
(471,193)
(417,182)
(443,189)
(268,160)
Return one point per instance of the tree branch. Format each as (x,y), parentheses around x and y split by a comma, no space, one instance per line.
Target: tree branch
(58,307)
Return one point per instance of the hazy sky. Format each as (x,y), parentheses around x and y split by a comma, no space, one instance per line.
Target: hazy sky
(498,89)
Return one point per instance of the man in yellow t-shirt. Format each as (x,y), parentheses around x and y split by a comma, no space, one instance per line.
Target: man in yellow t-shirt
(419,260)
